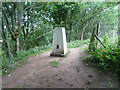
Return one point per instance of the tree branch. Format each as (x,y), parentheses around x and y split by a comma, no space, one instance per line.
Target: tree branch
(7,24)
(99,40)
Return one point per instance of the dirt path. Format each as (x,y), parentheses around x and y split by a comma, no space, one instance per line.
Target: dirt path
(73,72)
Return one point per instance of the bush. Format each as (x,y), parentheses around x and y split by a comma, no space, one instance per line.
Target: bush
(21,55)
(106,58)
(77,43)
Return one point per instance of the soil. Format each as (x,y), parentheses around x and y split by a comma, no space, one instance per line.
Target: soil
(73,72)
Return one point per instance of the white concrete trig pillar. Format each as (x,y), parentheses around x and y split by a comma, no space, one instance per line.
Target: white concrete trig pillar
(59,44)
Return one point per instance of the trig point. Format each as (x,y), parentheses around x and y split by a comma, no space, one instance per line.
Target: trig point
(59,44)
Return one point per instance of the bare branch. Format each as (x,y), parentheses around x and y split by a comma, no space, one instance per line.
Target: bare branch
(99,40)
(43,35)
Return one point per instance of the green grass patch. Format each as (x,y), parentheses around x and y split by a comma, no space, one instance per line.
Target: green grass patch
(54,63)
(9,65)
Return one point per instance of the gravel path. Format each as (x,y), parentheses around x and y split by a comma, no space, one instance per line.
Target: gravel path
(72,72)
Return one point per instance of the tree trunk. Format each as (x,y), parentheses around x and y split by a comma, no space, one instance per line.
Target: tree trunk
(118,26)
(92,44)
(19,24)
(83,31)
(17,44)
(8,45)
(6,38)
(71,27)
(82,34)
(119,38)
(97,31)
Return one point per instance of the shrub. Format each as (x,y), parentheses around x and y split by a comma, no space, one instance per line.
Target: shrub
(77,43)
(106,58)
(21,55)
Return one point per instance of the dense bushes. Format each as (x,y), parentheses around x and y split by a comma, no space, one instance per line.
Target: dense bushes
(106,58)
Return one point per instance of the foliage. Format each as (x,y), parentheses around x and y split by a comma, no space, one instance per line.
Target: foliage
(9,64)
(26,25)
(54,63)
(77,43)
(106,58)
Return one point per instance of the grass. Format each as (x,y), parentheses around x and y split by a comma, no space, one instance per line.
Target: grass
(54,63)
(9,65)
(18,61)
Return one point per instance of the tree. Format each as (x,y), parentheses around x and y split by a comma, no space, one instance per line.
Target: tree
(30,24)
(118,27)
